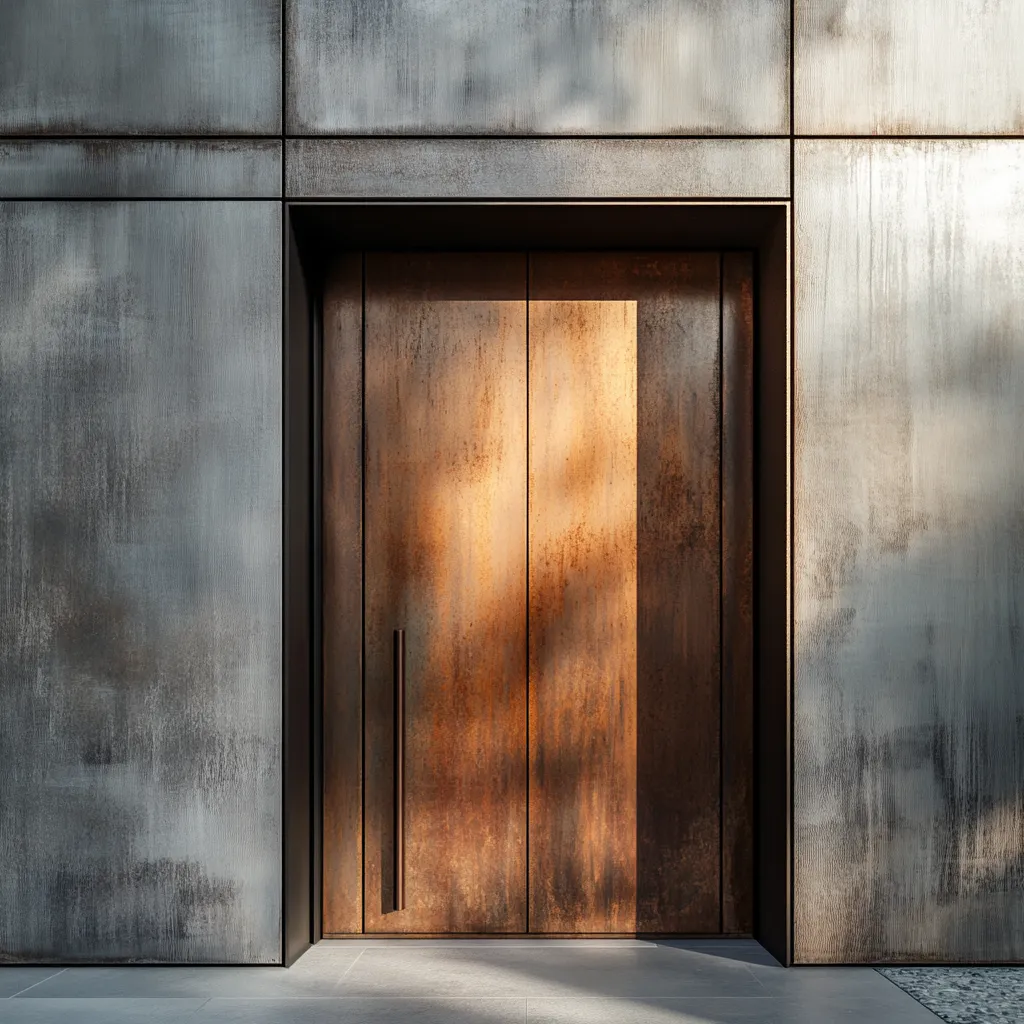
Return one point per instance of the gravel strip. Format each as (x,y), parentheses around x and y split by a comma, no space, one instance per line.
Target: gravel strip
(965,995)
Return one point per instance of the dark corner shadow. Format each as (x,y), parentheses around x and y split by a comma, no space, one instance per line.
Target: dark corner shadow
(746,951)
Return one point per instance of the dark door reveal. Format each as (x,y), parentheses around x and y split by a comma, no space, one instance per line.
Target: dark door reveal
(538,682)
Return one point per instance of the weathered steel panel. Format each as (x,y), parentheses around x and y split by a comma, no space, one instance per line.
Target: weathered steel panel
(909,556)
(498,67)
(916,67)
(140,611)
(445,560)
(583,605)
(679,563)
(144,169)
(531,168)
(194,67)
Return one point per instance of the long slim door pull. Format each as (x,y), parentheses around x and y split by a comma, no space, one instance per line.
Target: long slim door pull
(399,781)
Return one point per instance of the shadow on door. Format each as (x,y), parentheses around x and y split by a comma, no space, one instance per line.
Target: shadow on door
(556,510)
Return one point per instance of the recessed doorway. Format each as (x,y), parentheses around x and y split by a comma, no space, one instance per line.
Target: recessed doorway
(538,529)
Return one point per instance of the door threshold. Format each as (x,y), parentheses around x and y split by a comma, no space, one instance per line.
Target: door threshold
(528,938)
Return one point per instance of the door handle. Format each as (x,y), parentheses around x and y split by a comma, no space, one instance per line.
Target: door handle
(399,769)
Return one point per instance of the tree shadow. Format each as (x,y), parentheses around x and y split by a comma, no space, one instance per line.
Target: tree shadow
(909,720)
(139,634)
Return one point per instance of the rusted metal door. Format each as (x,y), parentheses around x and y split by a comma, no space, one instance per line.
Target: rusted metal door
(560,739)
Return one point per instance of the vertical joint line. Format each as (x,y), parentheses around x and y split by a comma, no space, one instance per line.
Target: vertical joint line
(286,567)
(789,909)
(284,94)
(792,67)
(362,580)
(285,228)
(790,362)
(722,392)
(790,665)
(315,307)
(527,760)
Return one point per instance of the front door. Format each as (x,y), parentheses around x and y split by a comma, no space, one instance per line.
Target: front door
(537,663)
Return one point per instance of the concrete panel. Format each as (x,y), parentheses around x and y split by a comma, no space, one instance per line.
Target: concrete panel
(190,67)
(194,168)
(518,67)
(140,598)
(909,557)
(537,168)
(912,67)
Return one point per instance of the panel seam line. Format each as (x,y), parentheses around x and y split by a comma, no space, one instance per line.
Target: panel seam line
(41,981)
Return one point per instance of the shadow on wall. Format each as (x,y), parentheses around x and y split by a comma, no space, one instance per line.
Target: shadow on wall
(909,762)
(611,65)
(140,627)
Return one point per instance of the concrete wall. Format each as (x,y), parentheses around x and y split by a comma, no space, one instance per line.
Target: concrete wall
(140,469)
(910,550)
(140,372)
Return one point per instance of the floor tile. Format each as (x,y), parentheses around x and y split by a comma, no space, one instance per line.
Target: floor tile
(642,971)
(677,1010)
(711,1011)
(313,976)
(741,951)
(796,981)
(17,979)
(363,1011)
(823,1007)
(99,1011)
(718,1010)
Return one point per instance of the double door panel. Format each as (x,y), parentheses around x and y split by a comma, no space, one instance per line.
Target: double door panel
(538,467)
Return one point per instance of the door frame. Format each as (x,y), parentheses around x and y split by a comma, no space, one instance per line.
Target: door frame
(313,232)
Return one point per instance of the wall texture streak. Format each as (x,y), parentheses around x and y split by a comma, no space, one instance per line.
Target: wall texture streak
(909,534)
(191,67)
(909,67)
(519,67)
(140,603)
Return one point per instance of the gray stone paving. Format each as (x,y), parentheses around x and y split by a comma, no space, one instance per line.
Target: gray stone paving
(470,982)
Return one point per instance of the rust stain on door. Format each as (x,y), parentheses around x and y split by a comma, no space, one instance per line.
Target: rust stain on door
(445,504)
(583,532)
